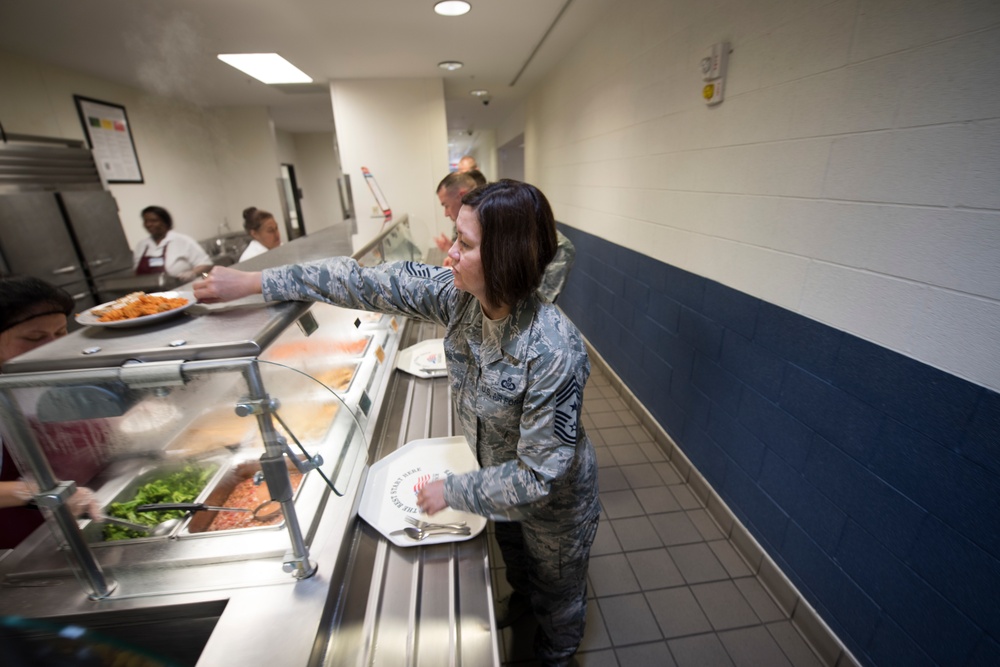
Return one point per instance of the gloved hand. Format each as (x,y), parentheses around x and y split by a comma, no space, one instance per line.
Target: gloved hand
(20,493)
(84,501)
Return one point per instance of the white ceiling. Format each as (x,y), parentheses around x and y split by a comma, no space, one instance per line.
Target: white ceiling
(169,47)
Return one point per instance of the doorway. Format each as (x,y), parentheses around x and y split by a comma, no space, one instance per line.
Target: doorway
(510,159)
(291,200)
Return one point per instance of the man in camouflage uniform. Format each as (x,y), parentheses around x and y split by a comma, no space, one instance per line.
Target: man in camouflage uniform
(557,271)
(450,191)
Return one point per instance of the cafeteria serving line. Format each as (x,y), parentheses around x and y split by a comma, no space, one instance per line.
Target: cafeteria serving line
(206,416)
(785,219)
(192,590)
(671,578)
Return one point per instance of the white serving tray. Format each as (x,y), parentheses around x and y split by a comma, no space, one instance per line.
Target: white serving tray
(390,493)
(425,359)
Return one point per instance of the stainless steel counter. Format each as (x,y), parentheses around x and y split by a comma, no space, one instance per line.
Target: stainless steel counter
(239,328)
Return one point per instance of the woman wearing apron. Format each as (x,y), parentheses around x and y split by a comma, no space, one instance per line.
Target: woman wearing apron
(167,251)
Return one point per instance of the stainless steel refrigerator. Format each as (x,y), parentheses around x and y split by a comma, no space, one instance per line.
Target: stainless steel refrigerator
(57,222)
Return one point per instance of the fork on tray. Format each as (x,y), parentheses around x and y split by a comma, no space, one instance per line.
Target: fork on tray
(427,525)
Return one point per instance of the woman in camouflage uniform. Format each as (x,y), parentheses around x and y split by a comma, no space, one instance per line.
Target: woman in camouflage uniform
(517,369)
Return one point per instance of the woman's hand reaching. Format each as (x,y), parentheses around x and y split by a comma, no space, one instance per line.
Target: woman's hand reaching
(225,284)
(430,499)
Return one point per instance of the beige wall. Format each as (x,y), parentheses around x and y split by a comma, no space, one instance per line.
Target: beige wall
(204,166)
(397,129)
(850,174)
(38,100)
(485,151)
(246,153)
(317,171)
(286,146)
(512,126)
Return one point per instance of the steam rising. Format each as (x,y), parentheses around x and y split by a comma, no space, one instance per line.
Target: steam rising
(166,49)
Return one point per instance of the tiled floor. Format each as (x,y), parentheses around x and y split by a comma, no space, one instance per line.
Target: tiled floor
(666,586)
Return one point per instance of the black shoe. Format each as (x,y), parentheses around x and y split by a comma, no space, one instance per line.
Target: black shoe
(510,609)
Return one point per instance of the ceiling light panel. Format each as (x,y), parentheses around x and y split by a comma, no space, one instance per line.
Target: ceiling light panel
(266,67)
(452,8)
(450,65)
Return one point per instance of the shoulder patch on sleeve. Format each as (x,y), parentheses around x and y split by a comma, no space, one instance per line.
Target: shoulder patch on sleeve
(436,273)
(568,412)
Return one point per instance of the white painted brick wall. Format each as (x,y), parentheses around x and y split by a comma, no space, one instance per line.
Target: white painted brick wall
(852,173)
(846,298)
(956,330)
(910,166)
(979,187)
(888,26)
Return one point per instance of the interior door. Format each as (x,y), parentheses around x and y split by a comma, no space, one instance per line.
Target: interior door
(93,216)
(83,299)
(34,239)
(291,196)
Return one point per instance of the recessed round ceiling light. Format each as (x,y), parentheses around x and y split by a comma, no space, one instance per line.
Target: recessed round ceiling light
(450,65)
(479,93)
(452,8)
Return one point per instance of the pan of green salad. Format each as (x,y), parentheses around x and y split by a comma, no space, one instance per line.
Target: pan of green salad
(175,484)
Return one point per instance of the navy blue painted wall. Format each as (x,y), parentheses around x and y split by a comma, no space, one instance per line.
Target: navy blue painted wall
(873,480)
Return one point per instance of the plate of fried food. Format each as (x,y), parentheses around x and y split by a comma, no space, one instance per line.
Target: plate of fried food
(136,309)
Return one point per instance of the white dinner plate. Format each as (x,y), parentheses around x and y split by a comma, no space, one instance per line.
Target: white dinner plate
(88,318)
(390,494)
(425,359)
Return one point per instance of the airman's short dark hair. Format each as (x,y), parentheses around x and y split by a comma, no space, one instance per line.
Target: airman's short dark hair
(459,180)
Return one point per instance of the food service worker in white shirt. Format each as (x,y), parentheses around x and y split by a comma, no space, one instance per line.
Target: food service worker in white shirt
(167,251)
(263,231)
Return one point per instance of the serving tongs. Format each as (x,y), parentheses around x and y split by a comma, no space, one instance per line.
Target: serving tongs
(263,512)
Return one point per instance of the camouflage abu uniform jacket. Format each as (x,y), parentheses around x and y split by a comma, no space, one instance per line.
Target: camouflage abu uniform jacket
(557,271)
(518,394)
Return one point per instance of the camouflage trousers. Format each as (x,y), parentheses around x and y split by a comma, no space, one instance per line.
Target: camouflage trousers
(551,570)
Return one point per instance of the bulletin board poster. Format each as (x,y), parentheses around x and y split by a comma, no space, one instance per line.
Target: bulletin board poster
(110,138)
